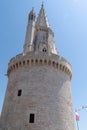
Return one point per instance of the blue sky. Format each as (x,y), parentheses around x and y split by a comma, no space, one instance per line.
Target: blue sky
(68,20)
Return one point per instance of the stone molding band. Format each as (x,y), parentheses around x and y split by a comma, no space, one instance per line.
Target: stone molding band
(35,62)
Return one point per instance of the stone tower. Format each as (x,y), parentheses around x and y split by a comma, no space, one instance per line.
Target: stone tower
(38,95)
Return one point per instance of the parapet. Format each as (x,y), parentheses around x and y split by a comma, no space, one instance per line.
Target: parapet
(41,59)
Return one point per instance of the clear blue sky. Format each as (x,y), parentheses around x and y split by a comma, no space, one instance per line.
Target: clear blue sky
(68,20)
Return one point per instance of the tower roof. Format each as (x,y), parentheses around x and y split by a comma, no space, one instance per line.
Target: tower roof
(32,12)
(42,18)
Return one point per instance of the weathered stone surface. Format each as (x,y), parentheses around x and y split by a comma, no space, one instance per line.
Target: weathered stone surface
(45,92)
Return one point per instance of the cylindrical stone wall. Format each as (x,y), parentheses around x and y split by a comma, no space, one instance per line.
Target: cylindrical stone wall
(38,98)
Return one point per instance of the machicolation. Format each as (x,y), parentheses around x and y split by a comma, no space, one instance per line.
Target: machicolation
(30,60)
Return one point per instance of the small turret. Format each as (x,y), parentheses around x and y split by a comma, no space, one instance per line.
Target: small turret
(28,46)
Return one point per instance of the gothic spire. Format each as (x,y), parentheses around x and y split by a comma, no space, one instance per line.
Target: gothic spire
(39,36)
(42,20)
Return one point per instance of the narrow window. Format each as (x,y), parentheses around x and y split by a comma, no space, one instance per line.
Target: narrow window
(19,92)
(44,50)
(31,17)
(31,118)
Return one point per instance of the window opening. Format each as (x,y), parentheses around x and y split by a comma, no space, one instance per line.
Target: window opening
(31,118)
(44,50)
(19,92)
(31,17)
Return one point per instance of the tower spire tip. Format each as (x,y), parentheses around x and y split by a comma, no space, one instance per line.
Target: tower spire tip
(32,8)
(42,3)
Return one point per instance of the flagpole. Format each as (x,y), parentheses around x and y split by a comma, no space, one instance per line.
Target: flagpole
(77,125)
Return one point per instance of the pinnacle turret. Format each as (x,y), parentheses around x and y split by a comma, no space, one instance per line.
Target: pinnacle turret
(28,46)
